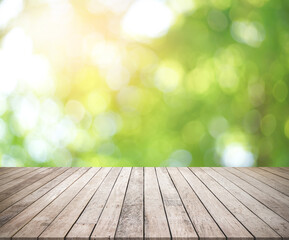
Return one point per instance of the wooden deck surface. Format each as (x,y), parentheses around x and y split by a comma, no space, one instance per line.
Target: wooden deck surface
(151,203)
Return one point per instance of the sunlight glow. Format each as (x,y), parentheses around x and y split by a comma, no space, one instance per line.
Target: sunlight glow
(106,125)
(8,10)
(33,71)
(147,18)
(250,33)
(37,148)
(3,105)
(75,110)
(235,155)
(3,129)
(168,76)
(26,112)
(63,133)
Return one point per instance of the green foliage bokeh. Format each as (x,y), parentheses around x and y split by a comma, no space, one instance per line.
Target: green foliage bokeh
(218,78)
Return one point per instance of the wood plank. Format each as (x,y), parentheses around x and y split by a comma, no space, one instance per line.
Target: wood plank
(179,222)
(151,203)
(156,224)
(272,203)
(255,225)
(276,171)
(284,169)
(29,189)
(16,223)
(131,217)
(280,197)
(9,171)
(85,224)
(72,211)
(273,176)
(276,222)
(34,177)
(204,224)
(267,178)
(3,169)
(19,206)
(15,175)
(230,226)
(14,186)
(40,222)
(107,223)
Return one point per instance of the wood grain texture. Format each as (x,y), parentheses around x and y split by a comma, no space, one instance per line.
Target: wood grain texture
(11,173)
(14,180)
(40,222)
(203,222)
(16,223)
(108,221)
(144,203)
(278,183)
(156,225)
(276,222)
(231,227)
(277,172)
(275,201)
(131,218)
(67,217)
(253,224)
(86,222)
(17,207)
(253,181)
(29,189)
(271,176)
(179,222)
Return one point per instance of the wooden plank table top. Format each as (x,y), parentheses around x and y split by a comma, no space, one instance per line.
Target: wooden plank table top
(137,203)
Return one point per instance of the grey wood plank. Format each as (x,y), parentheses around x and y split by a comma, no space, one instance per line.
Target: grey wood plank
(211,203)
(39,223)
(204,224)
(14,175)
(107,223)
(179,222)
(230,226)
(3,169)
(273,176)
(9,171)
(280,197)
(254,224)
(266,177)
(13,207)
(33,177)
(131,223)
(72,211)
(26,175)
(276,222)
(276,171)
(271,202)
(16,223)
(29,189)
(284,169)
(85,224)
(156,224)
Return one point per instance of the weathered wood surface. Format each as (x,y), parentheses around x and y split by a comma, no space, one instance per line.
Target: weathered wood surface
(138,203)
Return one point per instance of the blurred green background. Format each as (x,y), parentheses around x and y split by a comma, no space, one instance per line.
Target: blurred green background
(144,83)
